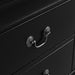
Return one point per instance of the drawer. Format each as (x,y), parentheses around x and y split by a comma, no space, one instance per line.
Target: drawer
(58,63)
(73,66)
(74,60)
(17,10)
(14,52)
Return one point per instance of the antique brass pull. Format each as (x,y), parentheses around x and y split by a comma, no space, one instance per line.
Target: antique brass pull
(30,41)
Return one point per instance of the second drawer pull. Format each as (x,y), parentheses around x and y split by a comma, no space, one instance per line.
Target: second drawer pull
(30,41)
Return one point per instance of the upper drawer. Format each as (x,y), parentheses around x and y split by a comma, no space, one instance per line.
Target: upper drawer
(17,10)
(14,52)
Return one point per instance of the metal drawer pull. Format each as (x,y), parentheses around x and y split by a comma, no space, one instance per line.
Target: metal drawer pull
(30,41)
(72,73)
(46,72)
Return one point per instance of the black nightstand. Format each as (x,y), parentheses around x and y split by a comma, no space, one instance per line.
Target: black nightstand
(36,38)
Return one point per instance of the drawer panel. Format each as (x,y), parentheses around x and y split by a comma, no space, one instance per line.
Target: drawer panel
(73,66)
(74,61)
(14,52)
(20,9)
(58,63)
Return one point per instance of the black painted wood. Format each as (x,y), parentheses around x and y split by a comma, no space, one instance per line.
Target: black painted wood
(74,61)
(13,50)
(18,10)
(73,65)
(58,63)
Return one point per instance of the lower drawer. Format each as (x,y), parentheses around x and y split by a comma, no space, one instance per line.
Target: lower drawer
(58,63)
(74,60)
(73,67)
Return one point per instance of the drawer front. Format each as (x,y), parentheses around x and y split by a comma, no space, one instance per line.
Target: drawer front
(74,61)
(14,52)
(58,63)
(73,66)
(19,9)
